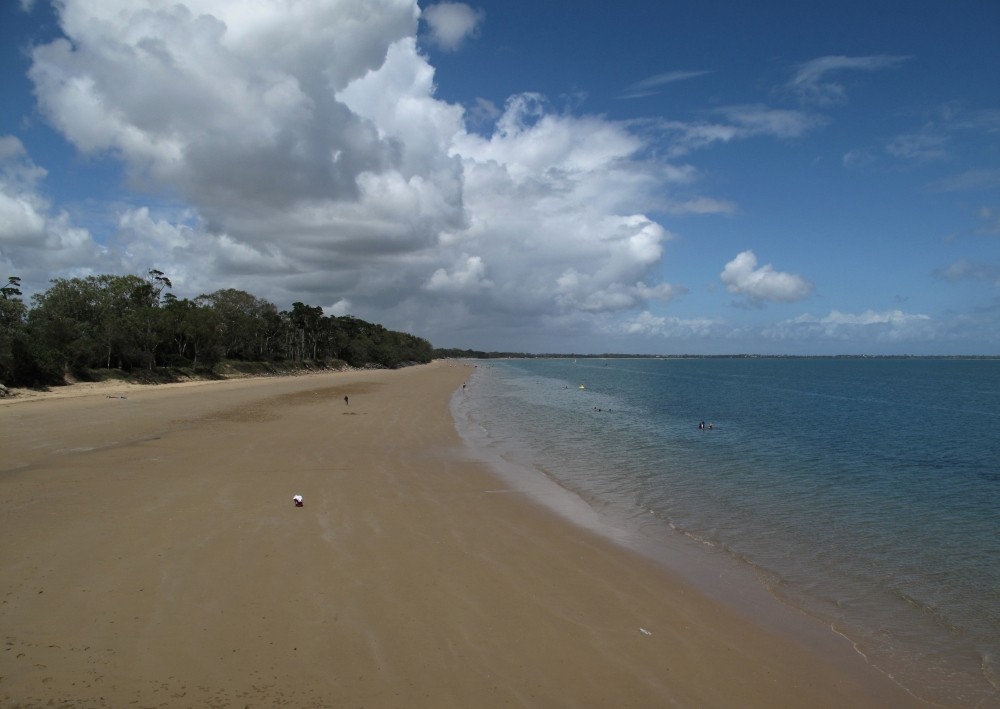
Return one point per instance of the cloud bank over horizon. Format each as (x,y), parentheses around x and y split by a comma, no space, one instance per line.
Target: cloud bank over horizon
(319,168)
(300,151)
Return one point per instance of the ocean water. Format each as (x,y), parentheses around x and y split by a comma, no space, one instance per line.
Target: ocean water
(865,492)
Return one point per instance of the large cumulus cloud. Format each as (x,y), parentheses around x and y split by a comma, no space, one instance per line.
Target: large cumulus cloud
(310,160)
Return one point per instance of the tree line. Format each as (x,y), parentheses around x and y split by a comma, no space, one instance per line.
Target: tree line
(134,324)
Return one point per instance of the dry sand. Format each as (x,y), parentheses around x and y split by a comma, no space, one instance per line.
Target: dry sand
(151,555)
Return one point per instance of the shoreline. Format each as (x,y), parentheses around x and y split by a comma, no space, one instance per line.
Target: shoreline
(711,572)
(528,418)
(153,554)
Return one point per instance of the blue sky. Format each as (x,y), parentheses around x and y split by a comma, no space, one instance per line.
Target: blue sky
(546,176)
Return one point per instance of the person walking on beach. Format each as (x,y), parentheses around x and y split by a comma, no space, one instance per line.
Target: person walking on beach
(346,402)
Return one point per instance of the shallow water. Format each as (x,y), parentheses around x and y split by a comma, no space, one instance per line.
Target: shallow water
(864,492)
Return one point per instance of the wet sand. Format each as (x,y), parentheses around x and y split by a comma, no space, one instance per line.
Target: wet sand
(151,555)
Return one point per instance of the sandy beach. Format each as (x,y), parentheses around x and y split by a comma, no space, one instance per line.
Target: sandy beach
(151,555)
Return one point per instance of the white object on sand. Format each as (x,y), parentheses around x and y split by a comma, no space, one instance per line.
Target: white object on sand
(297,499)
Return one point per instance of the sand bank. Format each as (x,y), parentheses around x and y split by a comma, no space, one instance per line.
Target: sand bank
(151,555)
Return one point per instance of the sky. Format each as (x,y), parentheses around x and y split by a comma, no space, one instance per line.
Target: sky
(644,176)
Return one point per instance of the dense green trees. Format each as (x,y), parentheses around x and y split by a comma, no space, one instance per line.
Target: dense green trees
(132,323)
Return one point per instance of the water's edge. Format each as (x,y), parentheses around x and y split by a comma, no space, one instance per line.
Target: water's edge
(714,570)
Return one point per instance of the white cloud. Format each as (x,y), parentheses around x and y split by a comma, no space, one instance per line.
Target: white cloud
(858,157)
(228,102)
(482,111)
(340,308)
(989,223)
(949,133)
(37,240)
(16,168)
(468,276)
(652,85)
(197,262)
(968,181)
(923,146)
(315,163)
(548,201)
(450,23)
(868,326)
(965,270)
(700,205)
(759,285)
(868,317)
(650,325)
(811,81)
(738,123)
(755,120)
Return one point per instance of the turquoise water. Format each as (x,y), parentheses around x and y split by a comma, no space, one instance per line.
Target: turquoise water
(864,492)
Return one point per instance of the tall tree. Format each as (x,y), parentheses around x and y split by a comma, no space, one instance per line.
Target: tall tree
(13,315)
(246,321)
(308,324)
